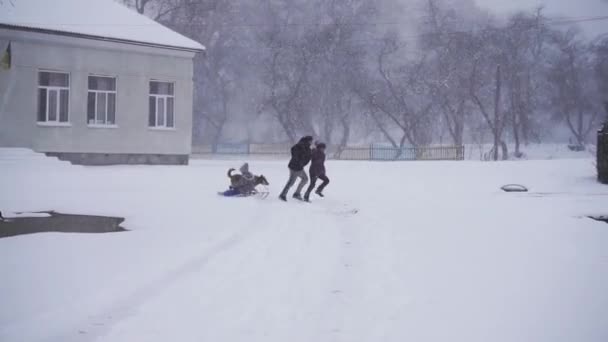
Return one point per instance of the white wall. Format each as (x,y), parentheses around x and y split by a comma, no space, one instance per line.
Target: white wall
(133,66)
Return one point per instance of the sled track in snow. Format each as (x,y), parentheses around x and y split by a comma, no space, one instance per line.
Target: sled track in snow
(99,324)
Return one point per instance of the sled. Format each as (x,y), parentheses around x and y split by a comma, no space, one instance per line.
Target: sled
(261,192)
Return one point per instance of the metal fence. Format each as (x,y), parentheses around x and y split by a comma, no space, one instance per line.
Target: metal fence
(602,154)
(371,152)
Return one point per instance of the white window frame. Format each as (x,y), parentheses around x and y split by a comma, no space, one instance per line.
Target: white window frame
(105,123)
(157,98)
(57,89)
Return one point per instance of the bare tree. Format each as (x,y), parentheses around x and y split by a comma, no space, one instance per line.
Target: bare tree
(286,75)
(333,69)
(309,68)
(139,5)
(525,41)
(574,94)
(486,86)
(445,39)
(398,97)
(340,65)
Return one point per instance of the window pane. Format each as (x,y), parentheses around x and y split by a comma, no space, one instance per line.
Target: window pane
(161,112)
(56,79)
(111,81)
(111,108)
(43,78)
(92,83)
(161,88)
(152,111)
(64,99)
(170,112)
(153,87)
(91,108)
(52,105)
(60,80)
(102,83)
(42,105)
(101,108)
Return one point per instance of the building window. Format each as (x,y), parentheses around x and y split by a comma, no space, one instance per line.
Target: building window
(161,102)
(53,97)
(101,101)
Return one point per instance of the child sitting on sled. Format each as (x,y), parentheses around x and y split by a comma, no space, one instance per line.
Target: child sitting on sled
(243,184)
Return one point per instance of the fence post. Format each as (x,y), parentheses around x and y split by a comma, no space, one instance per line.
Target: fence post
(602,154)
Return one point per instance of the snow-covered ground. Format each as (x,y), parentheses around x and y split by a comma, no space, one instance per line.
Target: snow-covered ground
(436,252)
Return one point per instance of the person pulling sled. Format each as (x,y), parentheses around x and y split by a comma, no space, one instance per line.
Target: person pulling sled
(317,171)
(300,157)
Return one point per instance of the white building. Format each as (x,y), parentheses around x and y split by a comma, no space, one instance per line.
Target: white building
(94,82)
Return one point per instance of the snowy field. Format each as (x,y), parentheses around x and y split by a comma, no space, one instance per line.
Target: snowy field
(436,252)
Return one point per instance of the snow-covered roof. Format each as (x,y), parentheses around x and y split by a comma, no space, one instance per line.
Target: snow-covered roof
(104,19)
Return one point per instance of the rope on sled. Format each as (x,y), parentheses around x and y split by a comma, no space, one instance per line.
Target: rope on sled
(262,193)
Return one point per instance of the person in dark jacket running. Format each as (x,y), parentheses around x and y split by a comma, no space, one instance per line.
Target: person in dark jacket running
(300,156)
(317,170)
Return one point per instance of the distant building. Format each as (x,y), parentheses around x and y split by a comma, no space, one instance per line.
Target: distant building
(94,82)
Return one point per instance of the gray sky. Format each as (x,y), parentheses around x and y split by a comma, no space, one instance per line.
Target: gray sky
(561,8)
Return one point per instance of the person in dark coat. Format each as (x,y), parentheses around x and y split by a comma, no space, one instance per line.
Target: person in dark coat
(317,170)
(300,156)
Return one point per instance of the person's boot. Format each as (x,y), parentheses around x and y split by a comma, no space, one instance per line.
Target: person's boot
(307,197)
(283,198)
(297,196)
(319,193)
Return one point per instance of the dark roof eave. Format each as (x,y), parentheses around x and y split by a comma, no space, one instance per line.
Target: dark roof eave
(93,37)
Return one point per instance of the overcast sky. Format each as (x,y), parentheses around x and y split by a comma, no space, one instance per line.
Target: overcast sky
(565,8)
